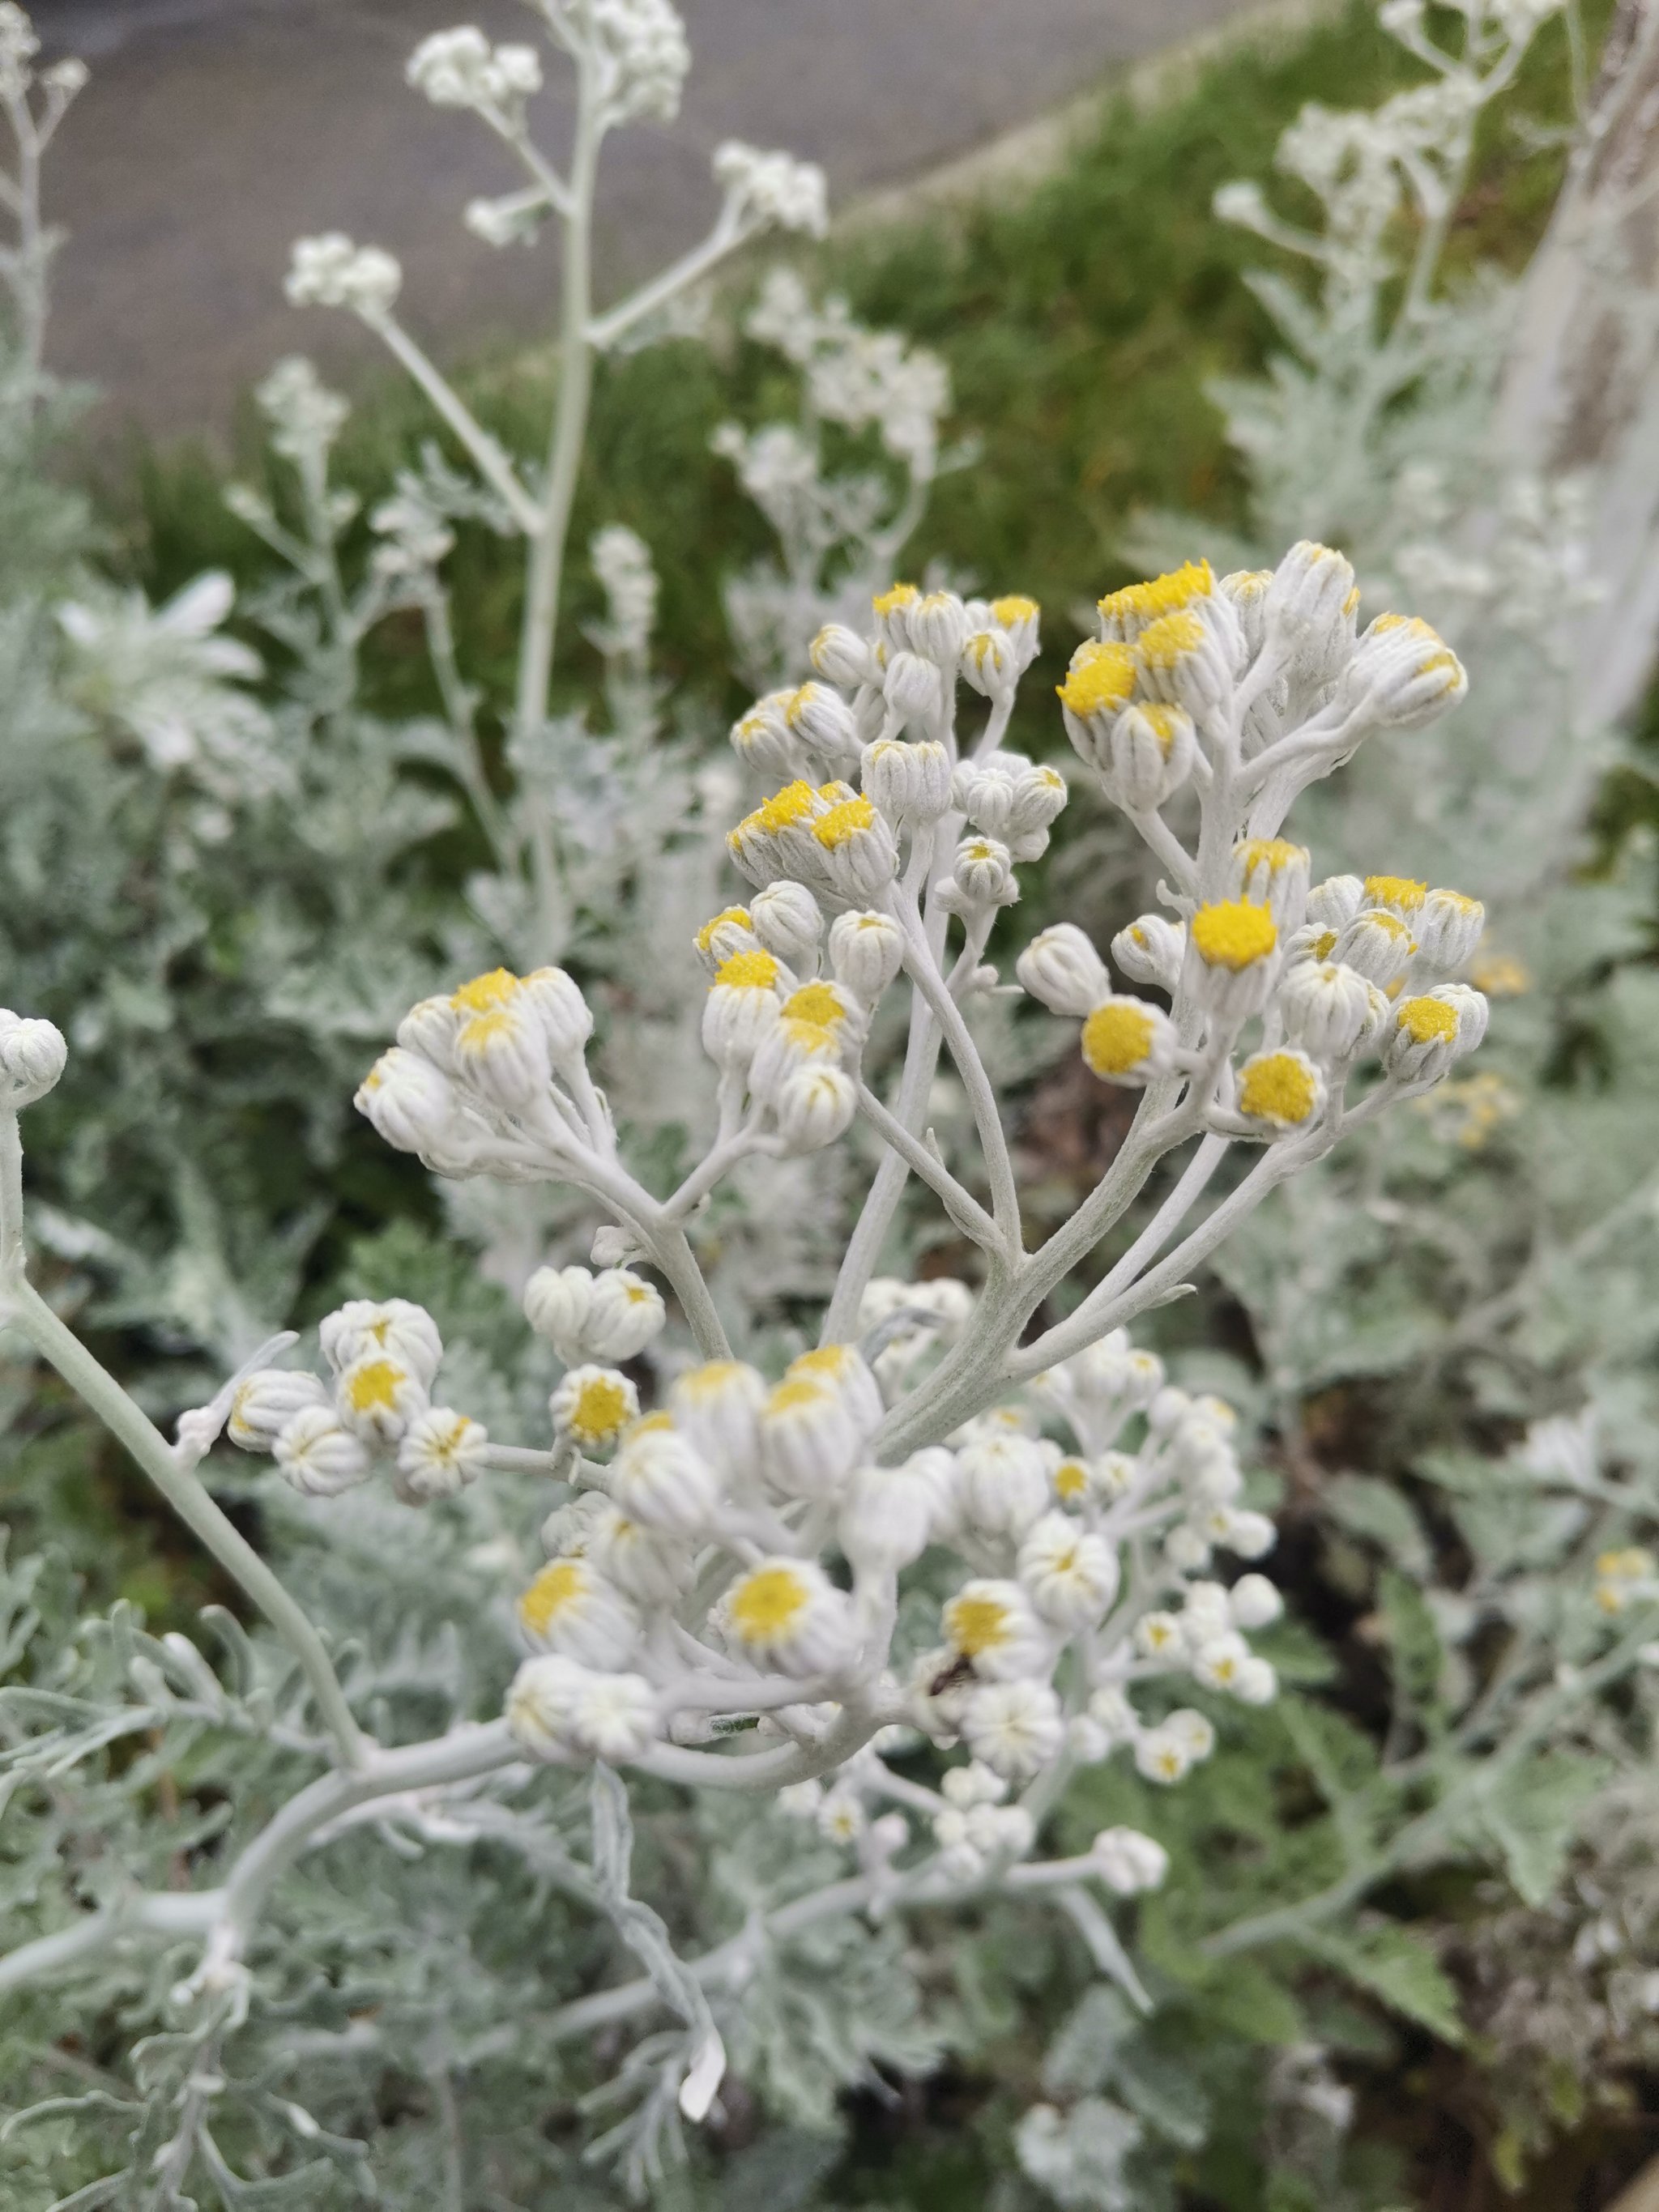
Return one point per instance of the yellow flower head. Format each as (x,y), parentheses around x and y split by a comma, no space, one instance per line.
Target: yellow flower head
(600,1409)
(1013,609)
(1273,853)
(1139,605)
(844,823)
(816,1003)
(1100,679)
(747,971)
(733,917)
(893,601)
(375,1383)
(975,1624)
(1166,643)
(1233,933)
(1398,893)
(767,1604)
(486,993)
(1426,1021)
(1277,1087)
(1117,1038)
(561,1583)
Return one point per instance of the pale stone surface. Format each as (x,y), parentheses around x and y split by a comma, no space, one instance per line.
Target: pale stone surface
(215,131)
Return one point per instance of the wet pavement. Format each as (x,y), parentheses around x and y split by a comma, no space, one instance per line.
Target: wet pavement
(215,131)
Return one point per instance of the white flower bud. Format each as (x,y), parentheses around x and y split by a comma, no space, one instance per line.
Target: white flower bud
(1250,1535)
(938,628)
(983,876)
(503,1055)
(885,1520)
(1146,754)
(1272,873)
(855,850)
(1403,674)
(592,1406)
(659,1477)
(1310,599)
(1378,944)
(566,1017)
(1062,971)
(1151,951)
(810,1438)
(331,272)
(1038,797)
(742,1006)
(866,951)
(625,1314)
(973,1785)
(723,936)
(569,1608)
(411,1104)
(1253,1603)
(1280,1090)
(892,612)
(788,922)
(1246,589)
(1015,1727)
(647,1565)
(1072,1575)
(773,189)
(841,656)
(823,722)
(907,782)
(990,664)
(1129,1862)
(912,689)
(555,1707)
(556,1304)
(1426,1034)
(377,1397)
(718,1405)
(1002,1483)
(1328,1010)
(1254,1682)
(265,1401)
(1448,929)
(317,1455)
(1473,1009)
(442,1452)
(405,1331)
(1333,903)
(1020,618)
(786,1613)
(762,738)
(814,1107)
(32,1056)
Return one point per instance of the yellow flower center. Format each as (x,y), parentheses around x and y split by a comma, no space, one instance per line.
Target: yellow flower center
(901,595)
(485,1030)
(562,1583)
(1163,595)
(1273,853)
(829,1361)
(844,823)
(975,1625)
(1163,644)
(1324,945)
(1426,1021)
(798,702)
(1397,891)
(784,808)
(601,1407)
(765,1604)
(484,992)
(1014,609)
(1100,679)
(790,1396)
(816,1003)
(709,1381)
(1278,1088)
(730,917)
(1116,1037)
(1163,721)
(372,1385)
(1233,933)
(1071,1479)
(747,971)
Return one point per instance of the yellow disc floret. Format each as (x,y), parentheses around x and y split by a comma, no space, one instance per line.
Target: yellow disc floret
(1014,609)
(1427,1021)
(1163,595)
(892,602)
(747,971)
(564,1583)
(1117,1038)
(1233,933)
(484,993)
(1071,1479)
(1272,854)
(375,1383)
(600,1409)
(844,823)
(1277,1087)
(816,1003)
(784,808)
(1167,641)
(733,917)
(1401,892)
(765,1605)
(975,1625)
(1100,679)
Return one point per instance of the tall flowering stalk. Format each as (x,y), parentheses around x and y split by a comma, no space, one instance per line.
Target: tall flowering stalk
(736,1562)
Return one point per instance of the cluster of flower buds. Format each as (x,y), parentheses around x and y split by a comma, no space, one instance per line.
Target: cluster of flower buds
(789,1002)
(373,1414)
(462,68)
(333,272)
(1625,1577)
(1349,970)
(491,1079)
(638,45)
(772,191)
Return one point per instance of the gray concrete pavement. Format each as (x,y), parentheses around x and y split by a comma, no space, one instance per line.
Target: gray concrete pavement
(215,131)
